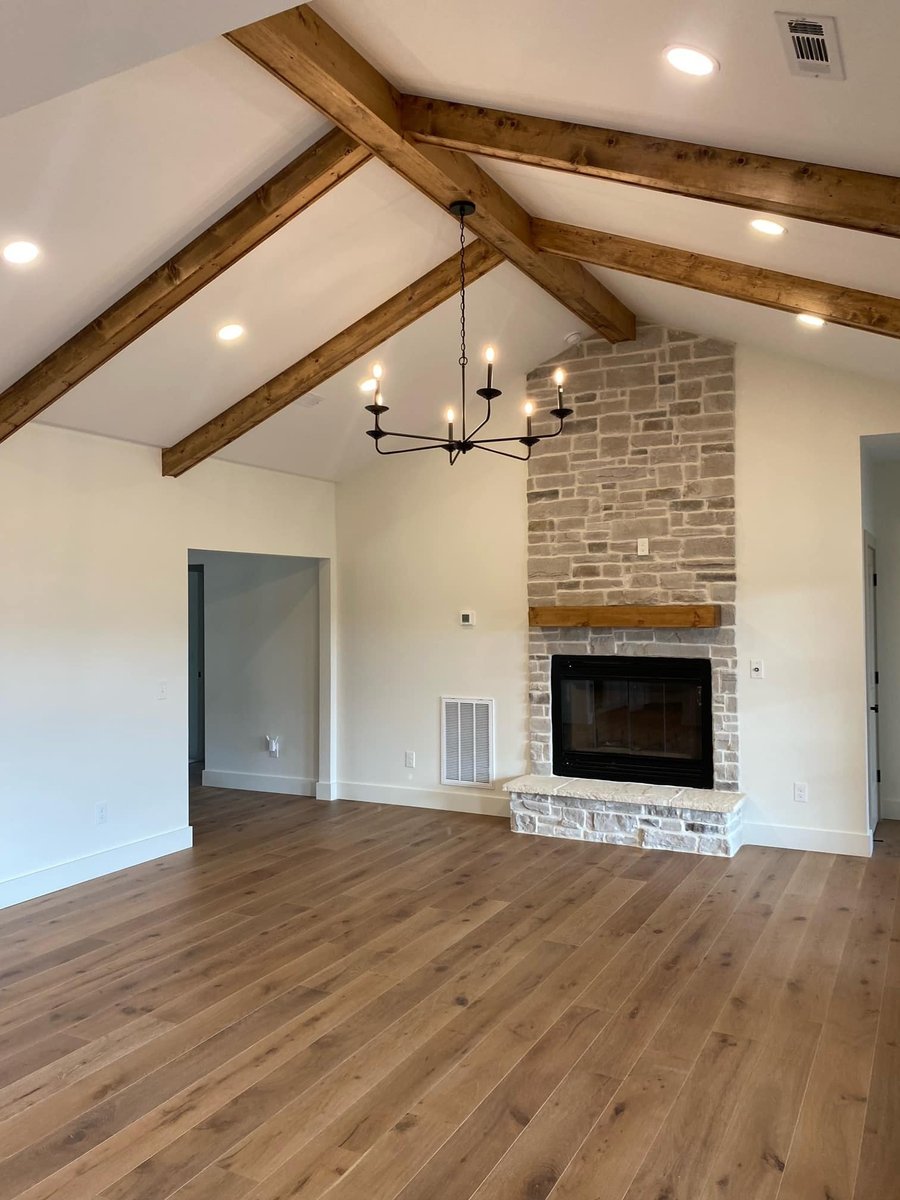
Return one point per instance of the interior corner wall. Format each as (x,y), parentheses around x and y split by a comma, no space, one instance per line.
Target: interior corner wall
(93,618)
(419,541)
(800,597)
(261,640)
(885,525)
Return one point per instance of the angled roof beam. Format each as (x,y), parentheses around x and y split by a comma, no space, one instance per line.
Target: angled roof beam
(720,277)
(315,172)
(332,356)
(830,195)
(306,54)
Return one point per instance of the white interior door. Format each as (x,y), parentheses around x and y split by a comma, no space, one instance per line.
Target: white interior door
(872,679)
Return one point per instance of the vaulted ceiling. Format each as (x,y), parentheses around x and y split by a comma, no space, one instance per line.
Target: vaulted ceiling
(113,178)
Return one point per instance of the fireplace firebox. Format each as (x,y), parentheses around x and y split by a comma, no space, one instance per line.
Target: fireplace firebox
(642,719)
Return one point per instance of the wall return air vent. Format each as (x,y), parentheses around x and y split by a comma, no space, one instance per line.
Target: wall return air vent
(467,741)
(811,45)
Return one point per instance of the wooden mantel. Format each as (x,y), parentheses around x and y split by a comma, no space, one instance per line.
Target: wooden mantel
(626,616)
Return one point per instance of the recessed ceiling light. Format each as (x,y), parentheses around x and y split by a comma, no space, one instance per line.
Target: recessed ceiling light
(764,225)
(691,61)
(20,252)
(811,322)
(230,333)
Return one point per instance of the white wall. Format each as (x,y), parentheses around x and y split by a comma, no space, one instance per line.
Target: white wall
(800,595)
(93,616)
(417,542)
(261,636)
(886,527)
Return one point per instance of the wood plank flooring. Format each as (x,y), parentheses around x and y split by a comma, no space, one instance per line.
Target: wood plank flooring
(368,1003)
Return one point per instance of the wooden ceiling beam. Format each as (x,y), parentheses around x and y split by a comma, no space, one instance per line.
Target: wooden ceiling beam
(721,277)
(340,351)
(301,50)
(830,195)
(289,192)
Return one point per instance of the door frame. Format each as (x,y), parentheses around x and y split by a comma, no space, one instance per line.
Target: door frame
(870,572)
(197,569)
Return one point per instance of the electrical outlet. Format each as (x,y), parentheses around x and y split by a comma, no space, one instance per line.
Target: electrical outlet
(643,547)
(272,745)
(162,690)
(757,668)
(409,758)
(101,814)
(801,793)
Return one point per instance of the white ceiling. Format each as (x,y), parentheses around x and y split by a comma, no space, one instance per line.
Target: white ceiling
(111,179)
(48,47)
(600,61)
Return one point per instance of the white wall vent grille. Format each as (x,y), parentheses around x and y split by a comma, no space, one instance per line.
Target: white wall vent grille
(467,741)
(811,45)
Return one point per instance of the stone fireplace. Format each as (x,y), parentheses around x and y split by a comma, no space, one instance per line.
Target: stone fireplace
(649,454)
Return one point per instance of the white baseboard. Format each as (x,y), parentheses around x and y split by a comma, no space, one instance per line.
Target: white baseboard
(92,866)
(890,810)
(242,781)
(490,803)
(326,791)
(795,837)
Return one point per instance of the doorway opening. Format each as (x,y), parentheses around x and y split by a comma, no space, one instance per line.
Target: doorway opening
(259,672)
(881,593)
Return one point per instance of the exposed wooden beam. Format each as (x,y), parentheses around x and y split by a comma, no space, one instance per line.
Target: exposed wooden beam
(250,222)
(831,195)
(335,354)
(306,54)
(721,277)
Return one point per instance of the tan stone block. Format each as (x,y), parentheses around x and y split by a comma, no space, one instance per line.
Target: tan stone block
(713,465)
(705,368)
(629,377)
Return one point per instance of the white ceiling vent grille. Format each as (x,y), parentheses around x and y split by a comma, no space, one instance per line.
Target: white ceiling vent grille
(467,741)
(811,45)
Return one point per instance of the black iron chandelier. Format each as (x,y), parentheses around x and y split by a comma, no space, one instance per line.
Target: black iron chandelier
(467,440)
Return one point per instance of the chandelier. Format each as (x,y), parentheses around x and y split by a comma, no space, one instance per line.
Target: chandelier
(461,439)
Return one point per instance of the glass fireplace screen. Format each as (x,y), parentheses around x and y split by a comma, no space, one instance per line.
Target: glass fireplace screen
(620,718)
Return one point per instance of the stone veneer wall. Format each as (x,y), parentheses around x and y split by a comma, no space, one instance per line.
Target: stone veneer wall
(648,453)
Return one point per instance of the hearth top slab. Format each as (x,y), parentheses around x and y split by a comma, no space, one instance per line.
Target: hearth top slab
(616,792)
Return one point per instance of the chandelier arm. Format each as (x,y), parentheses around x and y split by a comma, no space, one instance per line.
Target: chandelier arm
(416,437)
(504,453)
(412,449)
(515,438)
(483,423)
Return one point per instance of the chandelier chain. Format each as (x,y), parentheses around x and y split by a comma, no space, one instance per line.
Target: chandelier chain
(463,360)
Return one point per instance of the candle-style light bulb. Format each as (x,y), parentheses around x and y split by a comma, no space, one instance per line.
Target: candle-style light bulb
(528,409)
(377,374)
(559,378)
(369,386)
(449,424)
(489,359)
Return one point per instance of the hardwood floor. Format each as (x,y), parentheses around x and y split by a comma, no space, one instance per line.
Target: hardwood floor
(371,1003)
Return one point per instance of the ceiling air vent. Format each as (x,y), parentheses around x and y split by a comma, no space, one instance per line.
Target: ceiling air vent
(467,741)
(811,45)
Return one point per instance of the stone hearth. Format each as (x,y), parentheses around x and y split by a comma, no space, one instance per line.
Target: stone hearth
(693,820)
